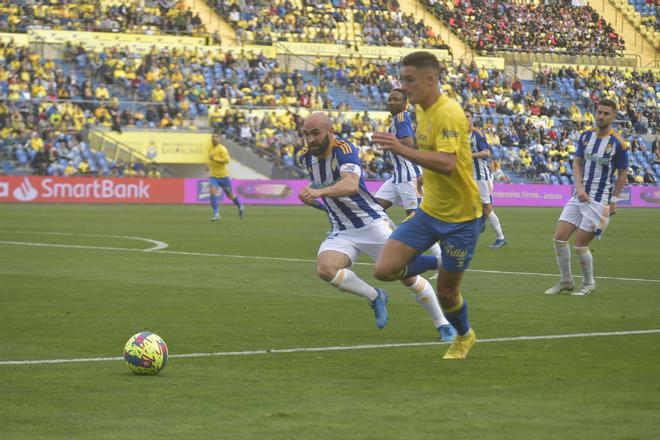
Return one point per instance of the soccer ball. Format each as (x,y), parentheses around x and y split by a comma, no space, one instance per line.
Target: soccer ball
(145,354)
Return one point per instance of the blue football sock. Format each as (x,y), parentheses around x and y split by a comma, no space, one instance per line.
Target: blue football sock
(237,202)
(214,204)
(420,264)
(458,317)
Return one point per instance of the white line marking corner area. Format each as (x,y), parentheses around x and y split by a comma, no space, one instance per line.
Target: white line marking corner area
(160,246)
(338,348)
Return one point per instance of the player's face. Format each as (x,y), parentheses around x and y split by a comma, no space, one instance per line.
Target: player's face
(605,116)
(417,83)
(317,139)
(468,115)
(396,102)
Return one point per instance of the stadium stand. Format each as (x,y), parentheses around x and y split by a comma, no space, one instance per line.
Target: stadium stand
(144,16)
(532,124)
(323,21)
(528,26)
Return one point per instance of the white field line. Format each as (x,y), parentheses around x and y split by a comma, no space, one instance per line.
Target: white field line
(338,348)
(256,257)
(157,245)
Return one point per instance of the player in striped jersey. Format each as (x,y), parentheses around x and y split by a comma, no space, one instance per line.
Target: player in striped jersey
(484,179)
(359,224)
(402,186)
(601,154)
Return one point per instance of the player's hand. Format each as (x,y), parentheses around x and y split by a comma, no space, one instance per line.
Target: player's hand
(582,196)
(420,185)
(307,195)
(612,209)
(386,141)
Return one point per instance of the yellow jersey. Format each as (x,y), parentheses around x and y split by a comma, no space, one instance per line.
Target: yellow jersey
(218,161)
(444,127)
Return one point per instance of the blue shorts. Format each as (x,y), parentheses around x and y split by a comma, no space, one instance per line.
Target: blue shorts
(458,241)
(221,182)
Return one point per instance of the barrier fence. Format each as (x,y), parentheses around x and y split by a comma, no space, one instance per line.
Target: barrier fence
(36,189)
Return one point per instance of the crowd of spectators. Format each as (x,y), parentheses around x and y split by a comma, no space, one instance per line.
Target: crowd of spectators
(636,91)
(531,133)
(509,25)
(43,113)
(143,16)
(182,84)
(379,23)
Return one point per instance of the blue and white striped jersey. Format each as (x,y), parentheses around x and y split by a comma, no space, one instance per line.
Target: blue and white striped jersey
(602,157)
(479,143)
(349,212)
(404,170)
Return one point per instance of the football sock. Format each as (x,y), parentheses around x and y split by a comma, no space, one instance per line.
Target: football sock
(435,251)
(236,201)
(425,297)
(586,263)
(214,204)
(458,316)
(496,225)
(348,281)
(420,264)
(563,253)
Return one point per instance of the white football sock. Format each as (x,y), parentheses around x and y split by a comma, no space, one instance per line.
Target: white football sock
(425,297)
(435,250)
(348,281)
(563,253)
(496,225)
(586,263)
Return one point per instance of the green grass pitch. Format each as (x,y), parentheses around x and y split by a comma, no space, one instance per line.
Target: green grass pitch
(85,295)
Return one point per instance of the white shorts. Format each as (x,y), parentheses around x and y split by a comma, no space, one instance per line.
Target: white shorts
(369,239)
(404,193)
(485,191)
(589,216)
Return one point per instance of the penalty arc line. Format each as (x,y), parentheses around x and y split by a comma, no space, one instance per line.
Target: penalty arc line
(340,347)
(294,260)
(157,244)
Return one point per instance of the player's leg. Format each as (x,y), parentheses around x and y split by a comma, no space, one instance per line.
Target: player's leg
(372,242)
(486,196)
(214,192)
(226,187)
(581,246)
(458,248)
(386,195)
(401,256)
(428,300)
(334,260)
(568,220)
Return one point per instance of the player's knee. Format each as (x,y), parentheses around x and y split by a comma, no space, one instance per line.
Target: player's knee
(325,272)
(384,272)
(487,209)
(214,191)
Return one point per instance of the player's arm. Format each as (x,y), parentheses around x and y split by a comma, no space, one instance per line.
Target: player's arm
(220,155)
(482,147)
(408,141)
(621,162)
(578,171)
(438,161)
(578,174)
(347,185)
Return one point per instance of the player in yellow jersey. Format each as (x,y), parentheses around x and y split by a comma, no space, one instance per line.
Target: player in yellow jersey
(219,178)
(450,211)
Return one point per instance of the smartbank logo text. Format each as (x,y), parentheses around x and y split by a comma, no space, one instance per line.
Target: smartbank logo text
(95,189)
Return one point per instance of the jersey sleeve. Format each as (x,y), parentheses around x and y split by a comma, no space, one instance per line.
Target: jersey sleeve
(450,131)
(621,160)
(221,155)
(348,159)
(482,143)
(579,152)
(403,125)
